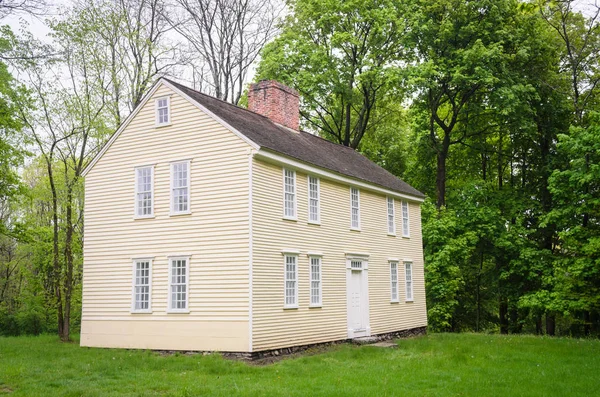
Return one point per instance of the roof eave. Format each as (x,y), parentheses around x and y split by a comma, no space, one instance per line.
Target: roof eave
(279,159)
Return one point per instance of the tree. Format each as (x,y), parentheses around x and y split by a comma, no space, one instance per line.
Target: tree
(342,57)
(225,38)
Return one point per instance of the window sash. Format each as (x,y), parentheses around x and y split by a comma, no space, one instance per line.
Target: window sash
(178,284)
(180,187)
(314,199)
(162,111)
(391,217)
(355,211)
(315,281)
(408,280)
(144,194)
(142,273)
(289,194)
(405,222)
(291,281)
(394,281)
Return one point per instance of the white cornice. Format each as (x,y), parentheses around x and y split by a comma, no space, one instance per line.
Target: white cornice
(278,159)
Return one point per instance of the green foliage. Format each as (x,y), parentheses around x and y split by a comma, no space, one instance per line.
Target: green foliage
(343,57)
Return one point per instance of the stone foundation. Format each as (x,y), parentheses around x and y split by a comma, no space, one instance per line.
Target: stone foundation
(274,354)
(267,356)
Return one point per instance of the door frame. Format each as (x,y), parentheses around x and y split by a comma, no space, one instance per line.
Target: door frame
(364,258)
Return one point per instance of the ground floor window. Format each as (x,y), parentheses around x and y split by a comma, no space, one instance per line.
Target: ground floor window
(291,281)
(178,284)
(315,281)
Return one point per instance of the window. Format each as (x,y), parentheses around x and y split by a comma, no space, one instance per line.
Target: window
(391,218)
(394,281)
(314,198)
(409,284)
(142,272)
(291,281)
(180,188)
(289,195)
(405,225)
(315,281)
(144,195)
(356,265)
(162,111)
(178,284)
(355,204)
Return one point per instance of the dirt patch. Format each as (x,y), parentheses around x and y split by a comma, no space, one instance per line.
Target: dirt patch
(5,389)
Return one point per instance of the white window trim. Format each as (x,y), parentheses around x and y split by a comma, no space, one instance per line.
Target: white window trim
(318,221)
(135,193)
(287,217)
(406,235)
(133,268)
(285,256)
(392,300)
(157,124)
(187,284)
(310,279)
(412,282)
(387,219)
(357,228)
(189,187)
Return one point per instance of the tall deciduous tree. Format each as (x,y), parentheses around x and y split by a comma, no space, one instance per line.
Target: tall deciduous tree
(343,58)
(225,38)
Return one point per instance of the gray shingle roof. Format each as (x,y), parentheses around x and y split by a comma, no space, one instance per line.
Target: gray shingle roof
(301,146)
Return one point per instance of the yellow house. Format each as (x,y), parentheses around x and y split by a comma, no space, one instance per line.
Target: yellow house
(213,227)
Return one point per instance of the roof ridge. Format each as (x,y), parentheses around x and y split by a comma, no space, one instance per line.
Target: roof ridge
(215,98)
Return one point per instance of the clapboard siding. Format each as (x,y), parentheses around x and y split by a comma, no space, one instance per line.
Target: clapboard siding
(276,327)
(216,235)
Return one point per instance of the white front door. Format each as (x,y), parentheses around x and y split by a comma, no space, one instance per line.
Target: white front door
(358,302)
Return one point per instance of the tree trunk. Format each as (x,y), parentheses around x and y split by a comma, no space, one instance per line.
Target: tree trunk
(68,283)
(440,181)
(503,311)
(550,324)
(56,271)
(538,325)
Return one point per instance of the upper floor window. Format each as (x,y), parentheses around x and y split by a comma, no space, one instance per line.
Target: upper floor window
(144,191)
(178,284)
(142,273)
(405,224)
(391,217)
(315,281)
(408,280)
(180,187)
(289,194)
(163,111)
(394,281)
(314,199)
(291,281)
(355,208)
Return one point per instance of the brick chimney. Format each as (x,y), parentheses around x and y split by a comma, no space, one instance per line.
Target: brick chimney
(276,101)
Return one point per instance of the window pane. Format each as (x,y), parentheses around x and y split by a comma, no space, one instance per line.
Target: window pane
(290,280)
(289,193)
(141,289)
(315,281)
(143,187)
(405,224)
(391,216)
(178,284)
(394,280)
(180,187)
(313,191)
(355,208)
(408,271)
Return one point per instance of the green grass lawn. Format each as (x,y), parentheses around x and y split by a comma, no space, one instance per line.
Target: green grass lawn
(435,365)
